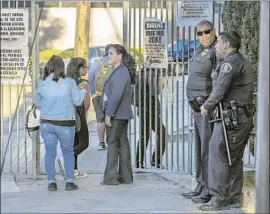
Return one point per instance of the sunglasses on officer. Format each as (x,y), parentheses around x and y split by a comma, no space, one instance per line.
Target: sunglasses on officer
(205,32)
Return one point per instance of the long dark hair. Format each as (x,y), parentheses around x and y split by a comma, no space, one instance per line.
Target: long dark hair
(56,66)
(73,68)
(127,60)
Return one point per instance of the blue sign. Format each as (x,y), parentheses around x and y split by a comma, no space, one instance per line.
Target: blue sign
(190,13)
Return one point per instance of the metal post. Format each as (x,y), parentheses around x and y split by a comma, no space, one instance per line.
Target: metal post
(262,163)
(35,77)
(125,24)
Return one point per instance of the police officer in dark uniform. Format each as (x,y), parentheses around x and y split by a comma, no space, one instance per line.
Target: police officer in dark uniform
(198,88)
(233,84)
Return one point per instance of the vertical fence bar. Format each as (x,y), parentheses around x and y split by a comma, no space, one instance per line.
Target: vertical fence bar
(156,111)
(24,130)
(35,67)
(125,24)
(144,104)
(18,131)
(2,123)
(182,98)
(172,84)
(161,95)
(9,128)
(150,103)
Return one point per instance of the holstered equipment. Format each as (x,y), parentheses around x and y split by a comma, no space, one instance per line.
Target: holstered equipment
(196,103)
(230,113)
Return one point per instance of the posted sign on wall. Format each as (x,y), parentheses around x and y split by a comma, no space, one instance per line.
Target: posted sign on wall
(14,43)
(190,13)
(155,43)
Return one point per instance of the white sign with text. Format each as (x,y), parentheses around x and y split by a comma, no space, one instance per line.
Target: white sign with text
(155,43)
(14,28)
(190,13)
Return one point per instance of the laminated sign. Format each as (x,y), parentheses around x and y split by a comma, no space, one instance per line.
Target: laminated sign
(155,43)
(14,43)
(190,13)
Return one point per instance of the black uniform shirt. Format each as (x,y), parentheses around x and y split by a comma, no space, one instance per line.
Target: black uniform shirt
(233,79)
(201,66)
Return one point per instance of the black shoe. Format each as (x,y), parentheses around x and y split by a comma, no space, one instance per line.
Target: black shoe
(201,199)
(71,186)
(109,184)
(159,166)
(190,194)
(236,202)
(138,166)
(52,187)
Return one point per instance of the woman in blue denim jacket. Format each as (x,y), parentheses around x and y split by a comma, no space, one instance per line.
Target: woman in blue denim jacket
(57,96)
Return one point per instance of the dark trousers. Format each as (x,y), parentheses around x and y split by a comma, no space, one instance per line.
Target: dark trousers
(144,136)
(81,140)
(118,167)
(202,131)
(226,182)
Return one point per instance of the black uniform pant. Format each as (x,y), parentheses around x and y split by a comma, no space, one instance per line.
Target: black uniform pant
(226,182)
(202,131)
(118,167)
(144,136)
(81,140)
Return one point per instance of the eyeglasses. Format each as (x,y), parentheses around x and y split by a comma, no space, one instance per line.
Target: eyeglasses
(206,32)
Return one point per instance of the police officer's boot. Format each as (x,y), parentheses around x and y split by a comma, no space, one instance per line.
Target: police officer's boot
(236,201)
(193,193)
(201,199)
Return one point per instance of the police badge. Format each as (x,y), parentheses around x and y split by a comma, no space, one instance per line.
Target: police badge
(226,67)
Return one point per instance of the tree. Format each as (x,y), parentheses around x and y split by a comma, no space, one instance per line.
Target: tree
(243,17)
(82,30)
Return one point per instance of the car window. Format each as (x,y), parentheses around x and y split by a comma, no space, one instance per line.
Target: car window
(101,51)
(92,53)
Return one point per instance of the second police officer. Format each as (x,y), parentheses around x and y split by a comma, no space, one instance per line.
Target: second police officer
(233,84)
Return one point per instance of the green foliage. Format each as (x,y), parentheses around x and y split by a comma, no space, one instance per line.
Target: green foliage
(243,17)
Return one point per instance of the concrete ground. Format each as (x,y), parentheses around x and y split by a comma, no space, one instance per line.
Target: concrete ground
(151,192)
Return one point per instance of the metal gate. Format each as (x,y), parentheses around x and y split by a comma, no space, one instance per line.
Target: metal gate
(16,98)
(175,113)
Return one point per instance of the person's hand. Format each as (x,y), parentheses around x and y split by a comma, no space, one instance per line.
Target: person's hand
(204,112)
(108,121)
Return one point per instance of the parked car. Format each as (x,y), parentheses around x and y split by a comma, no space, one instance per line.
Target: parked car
(93,53)
(181,52)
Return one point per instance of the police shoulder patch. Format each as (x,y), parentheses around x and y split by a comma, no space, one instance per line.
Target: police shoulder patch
(226,67)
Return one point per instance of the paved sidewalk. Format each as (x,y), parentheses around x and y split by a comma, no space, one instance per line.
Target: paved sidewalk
(150,193)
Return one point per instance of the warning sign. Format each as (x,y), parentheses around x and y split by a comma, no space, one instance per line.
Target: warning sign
(190,13)
(14,26)
(14,44)
(13,62)
(155,43)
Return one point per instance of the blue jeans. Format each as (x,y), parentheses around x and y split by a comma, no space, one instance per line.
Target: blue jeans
(65,134)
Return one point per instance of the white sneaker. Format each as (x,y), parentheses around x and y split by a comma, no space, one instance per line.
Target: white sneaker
(78,174)
(61,166)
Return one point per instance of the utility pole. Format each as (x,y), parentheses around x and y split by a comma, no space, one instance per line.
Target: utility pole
(262,163)
(35,10)
(82,29)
